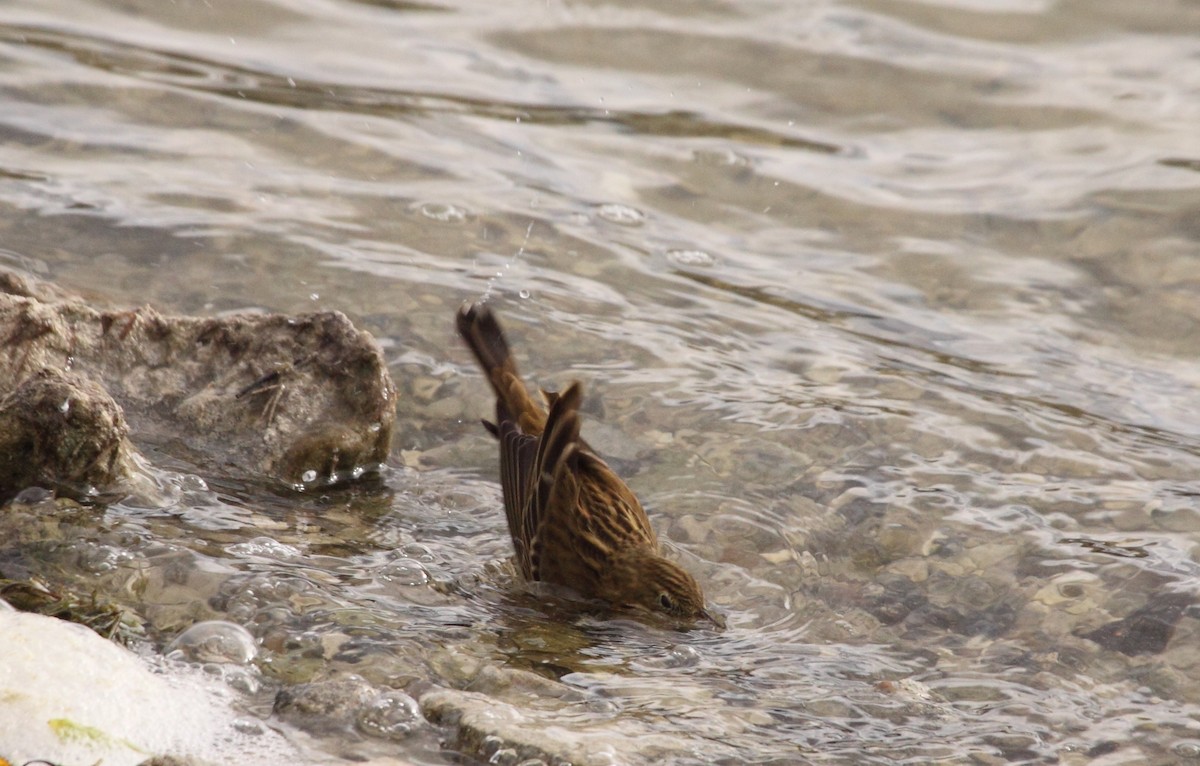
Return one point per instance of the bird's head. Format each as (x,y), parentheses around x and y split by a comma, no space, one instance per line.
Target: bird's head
(646,580)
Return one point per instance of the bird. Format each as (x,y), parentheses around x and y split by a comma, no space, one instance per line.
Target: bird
(572,520)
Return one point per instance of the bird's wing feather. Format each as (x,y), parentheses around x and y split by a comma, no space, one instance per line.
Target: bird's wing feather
(628,525)
(578,498)
(518,454)
(561,434)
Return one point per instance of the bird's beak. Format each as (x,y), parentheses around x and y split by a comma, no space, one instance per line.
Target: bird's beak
(715,618)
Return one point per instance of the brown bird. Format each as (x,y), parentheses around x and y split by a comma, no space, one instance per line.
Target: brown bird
(573,521)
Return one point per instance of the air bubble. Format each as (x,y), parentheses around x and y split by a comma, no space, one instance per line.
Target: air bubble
(443,212)
(621,214)
(190,482)
(264,547)
(404,571)
(214,641)
(392,715)
(690,258)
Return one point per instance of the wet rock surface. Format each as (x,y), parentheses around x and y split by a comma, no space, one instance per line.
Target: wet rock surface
(1145,630)
(60,429)
(306,400)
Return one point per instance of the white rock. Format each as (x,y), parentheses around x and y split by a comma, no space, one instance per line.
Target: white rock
(69,696)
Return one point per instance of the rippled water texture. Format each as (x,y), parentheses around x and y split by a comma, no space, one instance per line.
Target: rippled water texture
(889,310)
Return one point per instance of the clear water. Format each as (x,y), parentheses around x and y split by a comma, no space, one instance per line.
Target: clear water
(888,310)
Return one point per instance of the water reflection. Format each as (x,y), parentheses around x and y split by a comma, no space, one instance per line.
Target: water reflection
(887,309)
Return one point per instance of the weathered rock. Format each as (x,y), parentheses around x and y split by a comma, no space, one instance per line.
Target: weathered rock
(304,399)
(482,726)
(509,715)
(59,429)
(329,705)
(1146,630)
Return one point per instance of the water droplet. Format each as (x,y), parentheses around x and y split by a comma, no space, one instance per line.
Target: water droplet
(314,296)
(622,214)
(251,726)
(443,212)
(524,294)
(65,407)
(720,158)
(692,258)
(308,476)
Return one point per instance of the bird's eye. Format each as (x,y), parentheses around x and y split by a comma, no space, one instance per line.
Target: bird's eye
(664,600)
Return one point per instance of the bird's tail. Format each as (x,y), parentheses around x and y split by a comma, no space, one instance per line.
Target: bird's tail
(479,328)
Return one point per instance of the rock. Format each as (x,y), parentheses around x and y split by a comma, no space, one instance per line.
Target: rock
(1146,630)
(304,399)
(483,726)
(58,429)
(326,706)
(514,716)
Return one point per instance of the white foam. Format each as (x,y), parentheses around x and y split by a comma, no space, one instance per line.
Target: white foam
(69,696)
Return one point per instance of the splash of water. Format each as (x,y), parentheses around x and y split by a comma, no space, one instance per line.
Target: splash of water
(486,295)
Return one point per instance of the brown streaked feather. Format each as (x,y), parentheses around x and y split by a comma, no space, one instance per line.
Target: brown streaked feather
(580,501)
(560,436)
(518,454)
(572,520)
(615,511)
(478,327)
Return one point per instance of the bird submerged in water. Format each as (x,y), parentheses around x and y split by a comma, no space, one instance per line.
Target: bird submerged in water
(573,521)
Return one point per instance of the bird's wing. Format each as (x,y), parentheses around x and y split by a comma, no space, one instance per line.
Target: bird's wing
(611,510)
(579,502)
(557,443)
(518,454)
(555,490)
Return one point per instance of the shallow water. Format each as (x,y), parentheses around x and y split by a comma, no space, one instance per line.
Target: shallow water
(888,310)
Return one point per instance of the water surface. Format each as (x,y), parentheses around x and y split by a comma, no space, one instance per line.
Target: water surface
(888,310)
